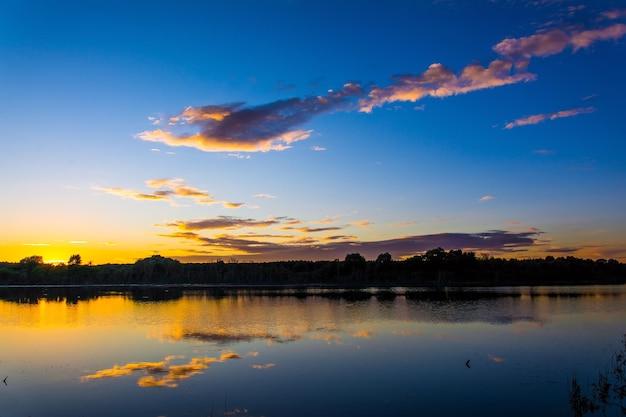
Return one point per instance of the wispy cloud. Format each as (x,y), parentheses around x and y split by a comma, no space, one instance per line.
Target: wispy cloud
(544,152)
(554,41)
(132,194)
(312,229)
(222,223)
(263,195)
(440,81)
(239,156)
(207,235)
(614,14)
(510,68)
(236,127)
(232,205)
(263,366)
(167,190)
(589,97)
(318,148)
(326,220)
(538,118)
(361,223)
(486,198)
(404,224)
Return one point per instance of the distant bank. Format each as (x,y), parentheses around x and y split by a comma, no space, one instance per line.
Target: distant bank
(437,267)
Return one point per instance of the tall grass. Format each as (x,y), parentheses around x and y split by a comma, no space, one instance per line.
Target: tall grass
(607,393)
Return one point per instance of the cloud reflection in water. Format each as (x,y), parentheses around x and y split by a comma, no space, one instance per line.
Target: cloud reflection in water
(168,374)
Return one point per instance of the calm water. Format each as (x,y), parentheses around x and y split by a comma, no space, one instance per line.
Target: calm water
(190,353)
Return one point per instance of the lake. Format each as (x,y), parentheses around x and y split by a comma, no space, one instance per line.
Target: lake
(161,351)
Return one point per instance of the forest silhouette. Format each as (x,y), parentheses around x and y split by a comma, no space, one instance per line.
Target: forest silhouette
(436,267)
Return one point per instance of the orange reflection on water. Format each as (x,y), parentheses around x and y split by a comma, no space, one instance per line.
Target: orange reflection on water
(365,334)
(170,374)
(329,338)
(60,314)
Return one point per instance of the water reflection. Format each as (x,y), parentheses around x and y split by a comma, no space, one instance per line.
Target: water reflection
(504,351)
(163,373)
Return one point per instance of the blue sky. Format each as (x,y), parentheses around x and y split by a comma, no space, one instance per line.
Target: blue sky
(308,130)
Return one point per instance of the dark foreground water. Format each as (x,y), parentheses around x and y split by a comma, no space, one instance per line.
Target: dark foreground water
(167,352)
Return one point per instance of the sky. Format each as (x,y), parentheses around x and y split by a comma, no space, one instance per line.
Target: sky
(249,131)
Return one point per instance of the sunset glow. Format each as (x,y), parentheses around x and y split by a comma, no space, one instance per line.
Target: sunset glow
(243,131)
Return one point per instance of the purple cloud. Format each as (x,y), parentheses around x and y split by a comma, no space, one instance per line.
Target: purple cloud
(236,128)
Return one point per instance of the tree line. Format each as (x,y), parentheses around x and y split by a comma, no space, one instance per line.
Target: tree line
(434,267)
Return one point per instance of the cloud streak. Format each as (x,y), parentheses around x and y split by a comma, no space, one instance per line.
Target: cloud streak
(275,126)
(510,68)
(167,190)
(538,118)
(440,81)
(554,41)
(222,223)
(206,236)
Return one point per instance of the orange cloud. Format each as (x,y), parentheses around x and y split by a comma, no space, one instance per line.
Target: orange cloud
(275,126)
(167,190)
(132,194)
(362,223)
(440,81)
(235,128)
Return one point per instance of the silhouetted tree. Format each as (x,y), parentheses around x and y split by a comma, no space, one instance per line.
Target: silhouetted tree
(383,266)
(75,260)
(156,268)
(383,259)
(354,264)
(28,265)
